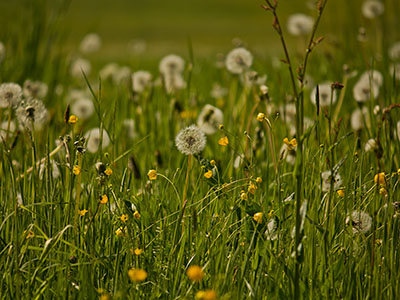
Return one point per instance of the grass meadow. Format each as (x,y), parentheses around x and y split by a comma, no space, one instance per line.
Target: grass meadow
(259,161)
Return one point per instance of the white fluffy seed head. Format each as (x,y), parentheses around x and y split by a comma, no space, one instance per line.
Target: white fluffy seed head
(171,64)
(300,24)
(34,89)
(361,221)
(209,119)
(370,145)
(327,178)
(10,94)
(358,117)
(238,60)
(326,96)
(141,80)
(365,89)
(394,51)
(90,43)
(32,112)
(93,140)
(79,65)
(190,140)
(372,9)
(83,108)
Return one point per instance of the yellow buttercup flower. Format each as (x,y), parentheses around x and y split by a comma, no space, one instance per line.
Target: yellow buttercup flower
(195,273)
(224,141)
(108,171)
(208,174)
(290,144)
(380,179)
(243,196)
(252,188)
(82,212)
(30,234)
(120,231)
(260,117)
(258,217)
(138,251)
(136,214)
(152,174)
(206,295)
(340,193)
(76,170)
(258,180)
(124,218)
(212,162)
(137,275)
(104,199)
(72,119)
(383,191)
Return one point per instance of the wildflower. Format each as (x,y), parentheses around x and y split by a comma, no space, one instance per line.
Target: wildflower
(243,195)
(104,199)
(10,94)
(138,251)
(30,234)
(340,193)
(326,97)
(34,89)
(224,141)
(364,90)
(80,65)
(136,215)
(152,174)
(290,144)
(108,171)
(76,170)
(208,174)
(357,118)
(171,64)
(82,212)
(260,117)
(190,140)
(120,231)
(137,275)
(371,145)
(258,217)
(195,273)
(259,180)
(83,108)
(238,60)
(72,119)
(212,162)
(90,43)
(252,78)
(373,76)
(141,80)
(252,188)
(271,231)
(382,191)
(394,51)
(361,221)
(105,296)
(326,181)
(32,112)
(206,295)
(218,92)
(209,119)
(380,179)
(299,24)
(93,140)
(124,218)
(372,9)
(289,155)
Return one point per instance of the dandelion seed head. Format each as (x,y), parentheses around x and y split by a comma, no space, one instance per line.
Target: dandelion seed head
(10,94)
(190,140)
(141,80)
(83,108)
(372,9)
(394,51)
(79,65)
(32,111)
(361,221)
(271,232)
(174,82)
(300,24)
(90,43)
(357,118)
(171,64)
(34,89)
(218,92)
(370,145)
(209,119)
(252,78)
(109,71)
(238,60)
(326,181)
(325,95)
(93,140)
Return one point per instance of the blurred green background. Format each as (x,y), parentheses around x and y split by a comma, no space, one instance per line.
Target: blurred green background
(166,25)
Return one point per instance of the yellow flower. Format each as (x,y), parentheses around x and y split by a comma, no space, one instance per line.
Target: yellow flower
(206,295)
(72,119)
(258,217)
(105,296)
(383,191)
(259,180)
(213,163)
(252,188)
(124,218)
(224,141)
(82,212)
(208,174)
(136,214)
(260,117)
(271,213)
(30,234)
(221,126)
(243,196)
(398,172)
(138,251)
(340,193)
(108,171)
(380,179)
(104,199)
(152,174)
(76,170)
(290,144)
(120,231)
(195,273)
(137,275)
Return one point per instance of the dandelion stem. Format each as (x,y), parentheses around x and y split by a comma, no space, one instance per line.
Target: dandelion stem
(186,187)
